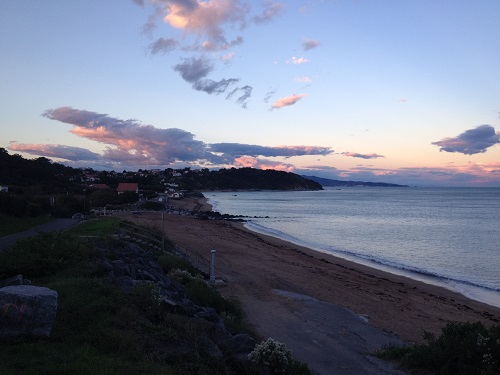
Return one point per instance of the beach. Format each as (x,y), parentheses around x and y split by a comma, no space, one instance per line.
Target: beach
(277,282)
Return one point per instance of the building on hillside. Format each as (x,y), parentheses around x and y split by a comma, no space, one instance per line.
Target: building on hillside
(123,187)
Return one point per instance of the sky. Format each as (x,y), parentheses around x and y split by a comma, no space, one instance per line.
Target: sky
(397,91)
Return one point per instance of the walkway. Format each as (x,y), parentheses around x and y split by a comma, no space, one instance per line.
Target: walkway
(53,226)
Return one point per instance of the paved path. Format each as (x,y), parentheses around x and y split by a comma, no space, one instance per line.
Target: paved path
(329,338)
(53,226)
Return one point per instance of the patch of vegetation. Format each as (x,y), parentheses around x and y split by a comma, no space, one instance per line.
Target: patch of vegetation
(96,227)
(170,262)
(461,349)
(44,255)
(101,330)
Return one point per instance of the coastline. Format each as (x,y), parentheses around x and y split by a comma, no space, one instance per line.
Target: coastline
(472,292)
(252,266)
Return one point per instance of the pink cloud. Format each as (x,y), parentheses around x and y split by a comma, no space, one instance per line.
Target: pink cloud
(298,60)
(251,162)
(287,101)
(205,18)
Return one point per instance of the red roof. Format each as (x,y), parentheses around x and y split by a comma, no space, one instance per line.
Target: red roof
(127,186)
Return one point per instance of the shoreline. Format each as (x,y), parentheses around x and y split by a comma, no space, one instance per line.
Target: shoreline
(473,292)
(252,266)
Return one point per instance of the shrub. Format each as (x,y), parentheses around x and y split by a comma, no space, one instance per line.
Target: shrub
(169,262)
(147,297)
(272,354)
(462,348)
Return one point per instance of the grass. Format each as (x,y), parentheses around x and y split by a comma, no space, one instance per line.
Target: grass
(95,227)
(11,224)
(101,330)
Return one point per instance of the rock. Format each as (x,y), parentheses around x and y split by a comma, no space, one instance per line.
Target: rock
(27,310)
(14,280)
(242,344)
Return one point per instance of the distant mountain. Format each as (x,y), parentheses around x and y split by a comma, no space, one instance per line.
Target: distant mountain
(338,183)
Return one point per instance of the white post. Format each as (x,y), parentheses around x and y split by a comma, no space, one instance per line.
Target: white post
(212,267)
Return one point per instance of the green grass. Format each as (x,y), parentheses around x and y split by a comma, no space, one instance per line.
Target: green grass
(95,227)
(99,329)
(11,224)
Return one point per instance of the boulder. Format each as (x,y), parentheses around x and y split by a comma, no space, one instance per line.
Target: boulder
(27,310)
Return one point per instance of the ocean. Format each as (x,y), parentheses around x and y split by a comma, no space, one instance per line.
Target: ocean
(448,237)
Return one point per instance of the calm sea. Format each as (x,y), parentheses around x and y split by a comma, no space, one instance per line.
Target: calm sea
(444,236)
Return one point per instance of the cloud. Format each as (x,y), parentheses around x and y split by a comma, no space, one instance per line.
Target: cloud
(194,69)
(208,27)
(251,162)
(287,101)
(129,140)
(205,18)
(470,142)
(133,144)
(227,57)
(162,46)
(298,60)
(56,151)
(309,44)
(303,79)
(268,95)
(246,93)
(271,11)
(238,149)
(362,156)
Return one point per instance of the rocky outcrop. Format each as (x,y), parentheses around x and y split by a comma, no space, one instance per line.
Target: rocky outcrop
(27,310)
(130,266)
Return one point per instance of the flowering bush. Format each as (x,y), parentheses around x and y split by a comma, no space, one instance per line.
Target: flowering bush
(273,354)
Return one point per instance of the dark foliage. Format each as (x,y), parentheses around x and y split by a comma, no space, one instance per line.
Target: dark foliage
(461,349)
(246,179)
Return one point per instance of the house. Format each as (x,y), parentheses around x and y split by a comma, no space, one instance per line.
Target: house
(127,187)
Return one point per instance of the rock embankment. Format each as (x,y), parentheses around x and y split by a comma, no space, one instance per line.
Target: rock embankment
(130,266)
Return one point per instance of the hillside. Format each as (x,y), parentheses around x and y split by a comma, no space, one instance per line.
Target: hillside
(246,179)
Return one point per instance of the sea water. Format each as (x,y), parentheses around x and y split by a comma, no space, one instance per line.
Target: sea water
(445,236)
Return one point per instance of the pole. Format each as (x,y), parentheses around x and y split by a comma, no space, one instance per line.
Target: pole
(163,228)
(212,267)
(84,205)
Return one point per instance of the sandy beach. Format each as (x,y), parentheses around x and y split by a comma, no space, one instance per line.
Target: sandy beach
(277,283)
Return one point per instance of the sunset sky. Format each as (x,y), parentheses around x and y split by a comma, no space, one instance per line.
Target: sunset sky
(400,91)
